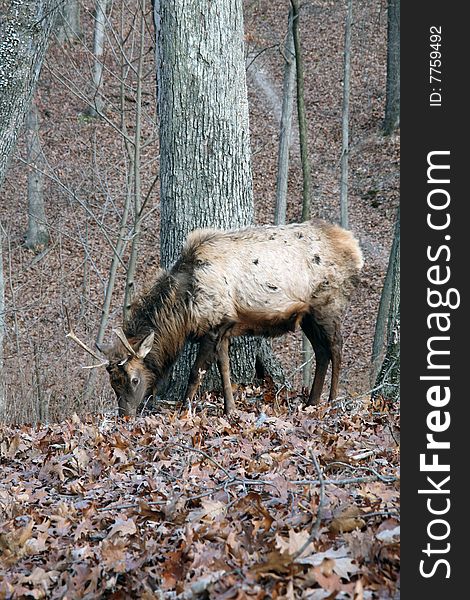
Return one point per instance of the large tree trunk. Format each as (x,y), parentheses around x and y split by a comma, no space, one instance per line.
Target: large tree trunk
(205,168)
(24,34)
(392,103)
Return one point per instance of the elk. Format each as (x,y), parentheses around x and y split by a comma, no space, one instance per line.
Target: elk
(258,281)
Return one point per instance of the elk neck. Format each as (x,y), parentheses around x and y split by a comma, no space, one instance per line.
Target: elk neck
(162,309)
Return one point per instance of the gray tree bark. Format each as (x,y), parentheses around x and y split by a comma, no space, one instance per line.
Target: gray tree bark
(131,51)
(37,237)
(3,406)
(25,29)
(345,119)
(286,126)
(205,163)
(392,103)
(387,384)
(301,114)
(97,106)
(68,21)
(380,335)
(307,351)
(136,163)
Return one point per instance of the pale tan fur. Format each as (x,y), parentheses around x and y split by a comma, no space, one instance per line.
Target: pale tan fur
(270,273)
(263,280)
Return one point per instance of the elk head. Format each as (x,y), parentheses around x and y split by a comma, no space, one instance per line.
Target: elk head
(131,380)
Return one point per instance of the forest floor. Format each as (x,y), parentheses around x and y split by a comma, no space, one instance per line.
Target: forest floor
(218,501)
(276,502)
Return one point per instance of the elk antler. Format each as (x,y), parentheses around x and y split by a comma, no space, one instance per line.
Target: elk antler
(73,337)
(125,342)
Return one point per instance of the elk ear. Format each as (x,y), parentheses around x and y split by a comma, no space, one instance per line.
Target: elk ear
(145,345)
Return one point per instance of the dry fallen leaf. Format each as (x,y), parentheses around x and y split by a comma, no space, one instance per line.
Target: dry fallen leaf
(209,511)
(337,561)
(275,562)
(389,535)
(347,519)
(294,543)
(122,527)
(113,554)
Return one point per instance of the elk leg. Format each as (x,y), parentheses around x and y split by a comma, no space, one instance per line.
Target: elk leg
(322,358)
(223,363)
(336,345)
(205,357)
(321,347)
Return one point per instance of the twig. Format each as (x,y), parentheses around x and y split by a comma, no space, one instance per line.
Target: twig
(82,345)
(365,454)
(288,377)
(53,177)
(381,513)
(41,255)
(258,54)
(219,487)
(231,479)
(345,481)
(314,532)
(144,203)
(208,456)
(384,478)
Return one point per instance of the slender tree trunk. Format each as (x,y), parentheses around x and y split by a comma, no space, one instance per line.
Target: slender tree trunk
(68,21)
(286,126)
(42,407)
(307,351)
(385,374)
(131,268)
(3,406)
(24,34)
(133,194)
(345,119)
(392,103)
(37,237)
(98,50)
(301,114)
(205,169)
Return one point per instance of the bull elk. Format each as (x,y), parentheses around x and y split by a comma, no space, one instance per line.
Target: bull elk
(258,281)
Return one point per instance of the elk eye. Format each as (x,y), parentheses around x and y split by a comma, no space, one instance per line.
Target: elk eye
(134,381)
